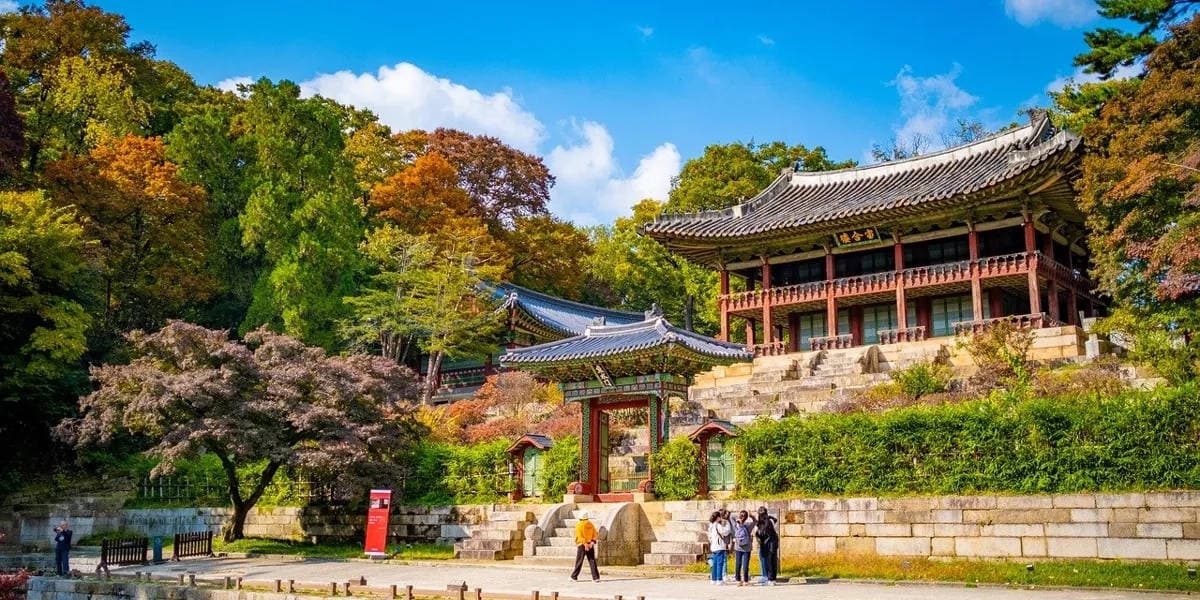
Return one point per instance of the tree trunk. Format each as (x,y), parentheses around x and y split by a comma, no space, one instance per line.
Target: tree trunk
(689,311)
(432,374)
(235,529)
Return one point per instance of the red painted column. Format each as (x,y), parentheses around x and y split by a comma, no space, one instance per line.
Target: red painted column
(1073,306)
(1035,293)
(830,302)
(794,332)
(1052,298)
(749,332)
(976,283)
(856,330)
(723,302)
(901,297)
(768,326)
(593,457)
(996,303)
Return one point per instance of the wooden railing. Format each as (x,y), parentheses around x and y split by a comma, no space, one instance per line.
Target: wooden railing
(831,342)
(1005,264)
(771,349)
(198,543)
(1031,321)
(902,334)
(800,292)
(865,284)
(937,274)
(121,552)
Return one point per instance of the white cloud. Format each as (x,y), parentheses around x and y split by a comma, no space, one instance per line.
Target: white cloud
(1080,77)
(231,84)
(645,30)
(766,41)
(1064,13)
(590,186)
(931,105)
(406,97)
(7,6)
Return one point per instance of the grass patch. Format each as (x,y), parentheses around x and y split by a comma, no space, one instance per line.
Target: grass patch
(1077,573)
(331,550)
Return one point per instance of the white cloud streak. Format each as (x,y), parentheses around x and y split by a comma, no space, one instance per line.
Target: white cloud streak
(931,105)
(1064,13)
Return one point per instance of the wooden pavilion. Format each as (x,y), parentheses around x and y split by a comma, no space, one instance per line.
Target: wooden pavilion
(934,245)
(635,366)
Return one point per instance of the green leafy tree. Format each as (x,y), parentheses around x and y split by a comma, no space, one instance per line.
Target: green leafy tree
(424,291)
(301,211)
(633,272)
(730,173)
(1110,48)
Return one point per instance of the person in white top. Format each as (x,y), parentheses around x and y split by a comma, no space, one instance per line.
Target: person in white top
(718,545)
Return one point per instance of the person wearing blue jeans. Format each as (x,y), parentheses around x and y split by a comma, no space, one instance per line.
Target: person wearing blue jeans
(718,545)
(742,543)
(62,549)
(768,546)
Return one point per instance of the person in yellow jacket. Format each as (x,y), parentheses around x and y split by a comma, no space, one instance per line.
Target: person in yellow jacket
(585,544)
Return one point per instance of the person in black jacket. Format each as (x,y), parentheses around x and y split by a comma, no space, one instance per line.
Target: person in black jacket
(62,549)
(768,546)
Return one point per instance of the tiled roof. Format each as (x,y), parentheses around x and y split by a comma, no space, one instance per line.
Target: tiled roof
(600,341)
(536,440)
(563,317)
(805,201)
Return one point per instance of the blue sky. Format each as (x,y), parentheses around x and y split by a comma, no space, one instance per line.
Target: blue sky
(616,95)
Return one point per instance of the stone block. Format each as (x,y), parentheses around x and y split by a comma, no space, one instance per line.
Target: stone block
(966,502)
(1041,515)
(1077,529)
(858,529)
(922,529)
(1125,515)
(902,546)
(793,530)
(825,529)
(1191,531)
(1120,500)
(1091,515)
(826,516)
(1013,530)
(987,546)
(888,530)
(1033,546)
(909,504)
(1172,499)
(1116,529)
(856,545)
(1024,502)
(946,516)
(908,516)
(956,529)
(825,545)
(797,546)
(865,516)
(1147,549)
(942,546)
(1183,549)
(1071,547)
(1074,501)
(1166,515)
(1160,530)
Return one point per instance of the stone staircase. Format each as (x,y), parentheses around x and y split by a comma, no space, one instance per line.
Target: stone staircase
(681,540)
(558,544)
(497,539)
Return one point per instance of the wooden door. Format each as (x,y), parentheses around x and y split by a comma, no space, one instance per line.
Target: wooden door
(531,471)
(720,465)
(604,450)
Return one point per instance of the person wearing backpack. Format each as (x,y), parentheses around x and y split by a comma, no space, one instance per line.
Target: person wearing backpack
(742,543)
(768,546)
(718,544)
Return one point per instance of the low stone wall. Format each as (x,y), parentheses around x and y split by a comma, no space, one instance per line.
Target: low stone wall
(1136,526)
(45,588)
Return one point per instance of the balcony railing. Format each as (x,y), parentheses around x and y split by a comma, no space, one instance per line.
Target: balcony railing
(955,272)
(771,349)
(1031,321)
(831,342)
(902,334)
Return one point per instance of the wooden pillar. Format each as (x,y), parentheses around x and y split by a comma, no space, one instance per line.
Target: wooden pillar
(794,332)
(996,303)
(830,302)
(976,282)
(1035,293)
(768,325)
(1073,307)
(1052,298)
(749,332)
(722,302)
(901,298)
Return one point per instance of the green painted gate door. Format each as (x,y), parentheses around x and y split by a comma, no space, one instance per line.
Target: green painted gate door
(720,465)
(604,450)
(531,471)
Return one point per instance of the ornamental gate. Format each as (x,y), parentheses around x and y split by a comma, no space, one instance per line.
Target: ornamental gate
(720,465)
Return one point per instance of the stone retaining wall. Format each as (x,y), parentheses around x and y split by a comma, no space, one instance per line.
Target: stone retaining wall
(1136,526)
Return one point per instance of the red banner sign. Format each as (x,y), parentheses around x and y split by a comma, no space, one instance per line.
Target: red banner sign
(378,512)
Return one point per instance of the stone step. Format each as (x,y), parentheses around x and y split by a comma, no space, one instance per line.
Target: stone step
(478,544)
(678,548)
(564,531)
(479,554)
(672,560)
(555,551)
(667,535)
(510,516)
(570,522)
(496,534)
(562,541)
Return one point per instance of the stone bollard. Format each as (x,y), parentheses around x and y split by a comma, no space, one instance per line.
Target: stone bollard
(408,592)
(332,588)
(392,592)
(228,582)
(462,593)
(478,593)
(180,578)
(291,586)
(278,586)
(617,597)
(641,598)
(534,595)
(362,580)
(239,583)
(553,595)
(192,579)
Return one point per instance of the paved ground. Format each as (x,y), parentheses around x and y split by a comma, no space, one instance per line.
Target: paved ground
(524,579)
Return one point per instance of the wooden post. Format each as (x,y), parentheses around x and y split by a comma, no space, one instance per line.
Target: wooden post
(192,579)
(1035,293)
(768,323)
(1052,298)
(462,593)
(534,595)
(332,588)
(392,592)
(830,302)
(291,586)
(973,269)
(723,303)
(478,593)
(181,580)
(228,582)
(749,332)
(794,332)
(278,586)
(408,594)
(239,583)
(901,298)
(1073,305)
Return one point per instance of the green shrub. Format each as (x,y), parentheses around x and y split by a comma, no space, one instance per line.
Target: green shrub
(459,474)
(676,468)
(922,379)
(560,467)
(1086,442)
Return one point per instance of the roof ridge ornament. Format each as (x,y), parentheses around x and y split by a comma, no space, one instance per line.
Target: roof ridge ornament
(655,312)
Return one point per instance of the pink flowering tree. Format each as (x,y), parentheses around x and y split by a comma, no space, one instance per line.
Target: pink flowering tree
(269,401)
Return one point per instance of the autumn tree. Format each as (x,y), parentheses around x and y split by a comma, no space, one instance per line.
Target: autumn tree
(427,292)
(148,224)
(549,255)
(45,294)
(1140,191)
(730,173)
(262,405)
(422,198)
(12,133)
(633,272)
(301,212)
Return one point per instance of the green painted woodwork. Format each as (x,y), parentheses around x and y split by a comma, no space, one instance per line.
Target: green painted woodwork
(531,471)
(720,465)
(604,450)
